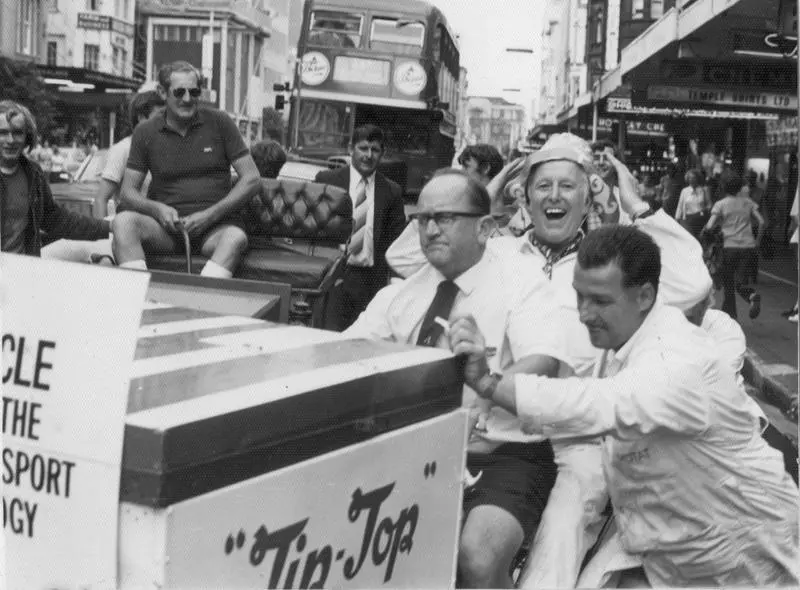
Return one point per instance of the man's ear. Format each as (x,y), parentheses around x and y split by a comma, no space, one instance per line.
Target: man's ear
(486,226)
(646,297)
(162,92)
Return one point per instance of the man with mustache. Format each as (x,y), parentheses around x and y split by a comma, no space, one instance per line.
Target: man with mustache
(562,189)
(698,495)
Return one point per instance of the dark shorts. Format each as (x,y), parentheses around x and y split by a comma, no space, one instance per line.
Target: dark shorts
(198,241)
(517,478)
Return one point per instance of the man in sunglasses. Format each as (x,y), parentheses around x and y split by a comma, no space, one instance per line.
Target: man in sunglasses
(189,152)
(515,306)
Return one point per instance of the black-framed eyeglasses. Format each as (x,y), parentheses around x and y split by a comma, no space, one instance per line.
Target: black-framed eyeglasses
(180,92)
(442,218)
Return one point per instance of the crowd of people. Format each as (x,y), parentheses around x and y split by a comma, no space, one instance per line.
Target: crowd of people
(598,378)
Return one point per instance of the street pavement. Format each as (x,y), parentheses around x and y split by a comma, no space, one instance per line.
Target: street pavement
(771,362)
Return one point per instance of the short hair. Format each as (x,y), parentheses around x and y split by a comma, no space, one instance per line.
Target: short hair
(269,157)
(479,199)
(368,132)
(11,109)
(165,73)
(733,184)
(142,105)
(634,252)
(602,144)
(484,154)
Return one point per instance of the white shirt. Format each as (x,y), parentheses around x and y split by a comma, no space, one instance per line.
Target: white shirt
(696,490)
(366,256)
(512,303)
(117,162)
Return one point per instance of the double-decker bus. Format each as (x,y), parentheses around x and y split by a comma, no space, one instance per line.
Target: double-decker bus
(388,62)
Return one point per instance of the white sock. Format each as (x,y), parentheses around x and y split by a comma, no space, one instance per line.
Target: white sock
(134,265)
(212,269)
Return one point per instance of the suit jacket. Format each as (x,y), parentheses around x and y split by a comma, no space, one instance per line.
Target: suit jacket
(390,217)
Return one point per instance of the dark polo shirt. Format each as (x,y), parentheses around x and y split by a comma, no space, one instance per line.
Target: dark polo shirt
(189,173)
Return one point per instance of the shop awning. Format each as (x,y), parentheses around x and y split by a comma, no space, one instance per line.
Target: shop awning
(100,80)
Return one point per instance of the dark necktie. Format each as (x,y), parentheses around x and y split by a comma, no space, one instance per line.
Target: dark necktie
(441,307)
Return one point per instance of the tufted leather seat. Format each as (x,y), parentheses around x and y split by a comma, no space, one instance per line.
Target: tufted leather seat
(295,230)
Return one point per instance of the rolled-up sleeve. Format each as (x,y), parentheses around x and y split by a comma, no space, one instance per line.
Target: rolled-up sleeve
(373,322)
(634,403)
(685,280)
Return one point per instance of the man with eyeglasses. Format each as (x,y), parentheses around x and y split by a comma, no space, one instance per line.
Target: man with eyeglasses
(189,152)
(516,307)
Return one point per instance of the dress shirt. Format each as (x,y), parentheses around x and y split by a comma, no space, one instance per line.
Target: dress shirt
(512,303)
(366,257)
(690,202)
(696,490)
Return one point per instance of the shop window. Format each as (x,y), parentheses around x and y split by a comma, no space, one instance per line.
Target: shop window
(26,27)
(92,4)
(91,57)
(52,53)
(637,9)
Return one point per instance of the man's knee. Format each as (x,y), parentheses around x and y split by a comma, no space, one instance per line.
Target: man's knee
(489,542)
(127,224)
(232,242)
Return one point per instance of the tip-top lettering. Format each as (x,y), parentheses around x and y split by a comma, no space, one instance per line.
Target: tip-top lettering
(20,366)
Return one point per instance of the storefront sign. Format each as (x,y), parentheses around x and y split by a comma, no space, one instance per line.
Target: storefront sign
(638,127)
(66,366)
(384,513)
(624,106)
(782,133)
(90,20)
(315,68)
(719,96)
(410,78)
(739,76)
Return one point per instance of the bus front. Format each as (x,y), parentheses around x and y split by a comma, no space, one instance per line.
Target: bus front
(364,65)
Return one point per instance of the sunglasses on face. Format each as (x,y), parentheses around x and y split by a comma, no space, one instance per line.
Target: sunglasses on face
(180,92)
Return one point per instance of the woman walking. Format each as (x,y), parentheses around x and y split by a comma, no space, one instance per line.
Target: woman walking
(735,213)
(693,204)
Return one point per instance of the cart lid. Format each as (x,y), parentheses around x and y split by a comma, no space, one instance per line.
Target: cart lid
(215,400)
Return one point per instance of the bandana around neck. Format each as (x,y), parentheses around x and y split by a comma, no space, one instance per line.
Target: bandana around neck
(553,256)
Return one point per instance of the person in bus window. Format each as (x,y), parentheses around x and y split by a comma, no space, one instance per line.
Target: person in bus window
(378,220)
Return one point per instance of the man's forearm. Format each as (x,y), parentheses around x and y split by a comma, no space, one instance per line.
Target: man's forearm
(236,199)
(132,199)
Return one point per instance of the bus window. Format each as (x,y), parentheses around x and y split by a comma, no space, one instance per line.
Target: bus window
(397,36)
(324,125)
(335,29)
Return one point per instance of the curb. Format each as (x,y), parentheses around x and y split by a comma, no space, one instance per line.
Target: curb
(774,391)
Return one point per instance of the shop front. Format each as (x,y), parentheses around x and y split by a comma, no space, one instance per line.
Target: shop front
(88,105)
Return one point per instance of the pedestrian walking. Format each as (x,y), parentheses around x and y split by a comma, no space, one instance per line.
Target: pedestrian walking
(735,213)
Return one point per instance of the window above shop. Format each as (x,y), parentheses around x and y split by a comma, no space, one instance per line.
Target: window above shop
(26,27)
(91,57)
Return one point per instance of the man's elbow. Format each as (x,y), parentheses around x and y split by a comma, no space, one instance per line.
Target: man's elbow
(536,364)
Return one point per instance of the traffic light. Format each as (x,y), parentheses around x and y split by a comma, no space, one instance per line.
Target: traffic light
(280,102)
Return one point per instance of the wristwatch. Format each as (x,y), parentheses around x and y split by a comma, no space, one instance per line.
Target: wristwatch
(488,385)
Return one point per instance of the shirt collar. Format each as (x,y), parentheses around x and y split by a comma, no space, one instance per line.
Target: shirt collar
(355,176)
(471,278)
(529,242)
(649,321)
(198,119)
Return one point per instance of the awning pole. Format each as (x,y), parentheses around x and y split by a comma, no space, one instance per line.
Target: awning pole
(594,119)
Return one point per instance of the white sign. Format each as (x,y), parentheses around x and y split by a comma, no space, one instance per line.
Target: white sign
(315,68)
(384,513)
(624,105)
(410,78)
(612,35)
(67,354)
(718,96)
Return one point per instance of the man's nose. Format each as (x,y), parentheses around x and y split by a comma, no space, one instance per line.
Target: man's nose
(585,312)
(431,228)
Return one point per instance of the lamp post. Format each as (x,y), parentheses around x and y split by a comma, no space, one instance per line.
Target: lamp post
(523,51)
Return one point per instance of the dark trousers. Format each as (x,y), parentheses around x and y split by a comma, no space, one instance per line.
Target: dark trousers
(352,295)
(734,271)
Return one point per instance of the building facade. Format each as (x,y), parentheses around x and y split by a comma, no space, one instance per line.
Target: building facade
(228,41)
(22,29)
(496,121)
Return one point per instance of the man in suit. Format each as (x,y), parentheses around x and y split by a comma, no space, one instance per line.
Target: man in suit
(378,220)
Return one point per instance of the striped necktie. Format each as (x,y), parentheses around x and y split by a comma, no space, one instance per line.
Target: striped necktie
(360,207)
